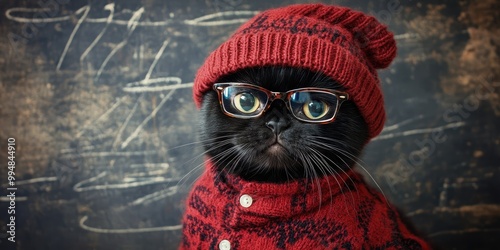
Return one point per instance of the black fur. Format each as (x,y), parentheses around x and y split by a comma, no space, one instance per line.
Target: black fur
(242,146)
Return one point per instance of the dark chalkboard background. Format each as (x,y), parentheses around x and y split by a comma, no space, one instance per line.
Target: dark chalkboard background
(98,98)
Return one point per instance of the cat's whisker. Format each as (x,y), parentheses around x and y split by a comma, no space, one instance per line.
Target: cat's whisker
(288,174)
(331,171)
(240,156)
(308,164)
(336,141)
(307,169)
(355,159)
(338,150)
(221,156)
(244,155)
(195,169)
(335,174)
(319,164)
(183,180)
(349,155)
(341,169)
(198,142)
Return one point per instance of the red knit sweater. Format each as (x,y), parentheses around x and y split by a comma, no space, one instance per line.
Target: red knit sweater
(226,212)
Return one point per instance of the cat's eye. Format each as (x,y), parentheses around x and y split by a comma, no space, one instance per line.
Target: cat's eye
(312,105)
(242,102)
(315,109)
(246,103)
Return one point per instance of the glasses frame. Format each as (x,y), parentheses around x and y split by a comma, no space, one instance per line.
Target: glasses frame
(284,96)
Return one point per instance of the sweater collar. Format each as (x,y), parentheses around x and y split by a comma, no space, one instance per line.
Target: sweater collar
(284,200)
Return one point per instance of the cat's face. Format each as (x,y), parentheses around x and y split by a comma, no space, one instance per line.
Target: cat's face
(276,146)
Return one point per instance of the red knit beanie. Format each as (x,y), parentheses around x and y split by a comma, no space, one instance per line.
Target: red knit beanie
(346,45)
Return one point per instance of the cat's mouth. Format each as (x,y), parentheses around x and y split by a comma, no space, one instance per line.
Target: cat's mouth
(276,154)
(276,148)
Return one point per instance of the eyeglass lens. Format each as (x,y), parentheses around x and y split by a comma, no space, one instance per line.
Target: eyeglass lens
(244,101)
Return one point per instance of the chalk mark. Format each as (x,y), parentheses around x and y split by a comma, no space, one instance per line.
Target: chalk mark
(131,25)
(463,231)
(156,196)
(111,8)
(147,119)
(8,14)
(419,131)
(79,187)
(203,20)
(400,124)
(34,180)
(128,230)
(70,39)
(137,87)
(125,123)
(157,58)
(199,21)
(107,154)
(104,115)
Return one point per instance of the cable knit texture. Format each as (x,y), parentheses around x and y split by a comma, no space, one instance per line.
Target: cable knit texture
(342,212)
(346,45)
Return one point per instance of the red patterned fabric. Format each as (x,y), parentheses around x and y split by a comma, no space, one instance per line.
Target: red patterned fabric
(338,213)
(346,45)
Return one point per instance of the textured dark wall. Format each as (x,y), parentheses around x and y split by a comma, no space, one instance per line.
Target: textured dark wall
(98,99)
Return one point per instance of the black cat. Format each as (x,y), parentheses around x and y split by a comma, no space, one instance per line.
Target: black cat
(287,103)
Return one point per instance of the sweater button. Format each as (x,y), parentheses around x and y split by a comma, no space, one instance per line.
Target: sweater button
(224,245)
(246,200)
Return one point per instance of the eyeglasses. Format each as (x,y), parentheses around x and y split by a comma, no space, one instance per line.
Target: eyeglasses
(313,105)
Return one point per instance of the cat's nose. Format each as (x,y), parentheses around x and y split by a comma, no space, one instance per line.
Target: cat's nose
(278,117)
(277,125)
